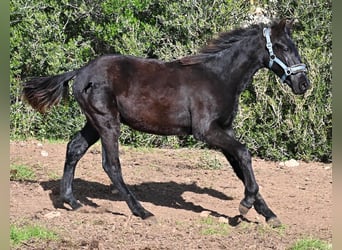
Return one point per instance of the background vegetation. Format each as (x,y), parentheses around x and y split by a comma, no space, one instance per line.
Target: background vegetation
(54,36)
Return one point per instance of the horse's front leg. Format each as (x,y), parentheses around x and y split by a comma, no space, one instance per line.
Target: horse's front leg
(76,148)
(240,159)
(259,203)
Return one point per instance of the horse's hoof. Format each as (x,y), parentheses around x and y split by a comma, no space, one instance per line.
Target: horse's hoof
(143,213)
(75,205)
(274,222)
(243,210)
(146,215)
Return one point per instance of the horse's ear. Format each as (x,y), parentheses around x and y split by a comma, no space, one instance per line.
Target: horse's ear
(286,25)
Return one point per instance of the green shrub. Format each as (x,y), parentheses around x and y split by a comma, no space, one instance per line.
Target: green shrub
(50,36)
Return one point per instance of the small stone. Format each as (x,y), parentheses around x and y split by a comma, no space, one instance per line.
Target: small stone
(292,163)
(223,220)
(205,214)
(289,163)
(44,153)
(113,189)
(39,145)
(281,164)
(52,214)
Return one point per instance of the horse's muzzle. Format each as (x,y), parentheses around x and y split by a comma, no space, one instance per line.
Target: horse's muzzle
(299,83)
(304,85)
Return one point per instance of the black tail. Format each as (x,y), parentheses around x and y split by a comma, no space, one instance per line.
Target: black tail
(43,92)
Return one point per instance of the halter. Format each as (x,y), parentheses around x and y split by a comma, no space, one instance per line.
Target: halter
(294,69)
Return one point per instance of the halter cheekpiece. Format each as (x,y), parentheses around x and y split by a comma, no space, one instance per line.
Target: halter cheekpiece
(292,70)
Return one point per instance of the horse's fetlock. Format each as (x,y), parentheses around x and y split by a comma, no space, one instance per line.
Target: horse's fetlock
(252,191)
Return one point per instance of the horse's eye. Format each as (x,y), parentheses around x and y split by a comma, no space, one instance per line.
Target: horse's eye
(281,47)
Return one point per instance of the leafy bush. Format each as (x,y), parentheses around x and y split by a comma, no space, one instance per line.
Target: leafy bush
(50,37)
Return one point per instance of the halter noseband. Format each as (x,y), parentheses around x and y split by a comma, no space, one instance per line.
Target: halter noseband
(294,69)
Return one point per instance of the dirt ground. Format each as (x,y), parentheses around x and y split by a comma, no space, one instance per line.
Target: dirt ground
(175,186)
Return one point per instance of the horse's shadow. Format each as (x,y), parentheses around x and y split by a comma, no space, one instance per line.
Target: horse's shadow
(167,194)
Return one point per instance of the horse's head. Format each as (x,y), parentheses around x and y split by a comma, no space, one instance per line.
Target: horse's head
(283,57)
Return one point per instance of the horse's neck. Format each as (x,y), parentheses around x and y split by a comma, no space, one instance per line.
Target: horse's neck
(238,64)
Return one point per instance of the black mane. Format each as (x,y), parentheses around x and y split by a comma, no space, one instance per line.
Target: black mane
(226,40)
(223,41)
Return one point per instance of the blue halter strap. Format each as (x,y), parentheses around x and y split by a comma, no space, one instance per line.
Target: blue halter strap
(292,70)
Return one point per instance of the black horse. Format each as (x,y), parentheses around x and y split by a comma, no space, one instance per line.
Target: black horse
(195,95)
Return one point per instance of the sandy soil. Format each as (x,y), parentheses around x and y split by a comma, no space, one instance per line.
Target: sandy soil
(175,186)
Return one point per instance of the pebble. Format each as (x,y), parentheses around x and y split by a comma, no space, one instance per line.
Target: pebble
(205,214)
(44,153)
(289,163)
(113,189)
(223,220)
(52,214)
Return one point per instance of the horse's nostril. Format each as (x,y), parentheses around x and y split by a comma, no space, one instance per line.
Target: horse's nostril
(304,85)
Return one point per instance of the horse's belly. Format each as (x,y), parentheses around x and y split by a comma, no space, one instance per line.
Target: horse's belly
(156,118)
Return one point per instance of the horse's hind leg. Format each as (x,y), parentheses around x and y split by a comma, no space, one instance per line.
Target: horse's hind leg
(108,125)
(75,150)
